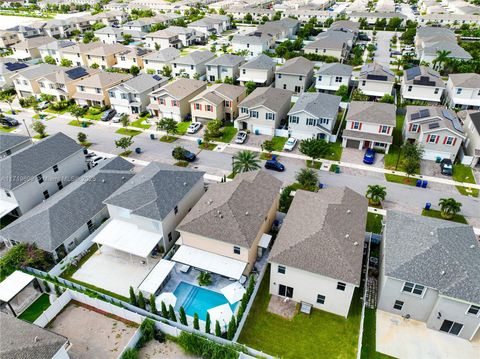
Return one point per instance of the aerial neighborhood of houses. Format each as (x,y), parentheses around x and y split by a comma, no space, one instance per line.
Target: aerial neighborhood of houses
(239,179)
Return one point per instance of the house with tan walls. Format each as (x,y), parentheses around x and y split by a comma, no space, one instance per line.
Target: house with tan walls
(319,263)
(77,53)
(227,223)
(105,55)
(25,80)
(93,90)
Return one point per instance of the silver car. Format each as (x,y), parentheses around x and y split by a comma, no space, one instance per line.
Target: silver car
(241,137)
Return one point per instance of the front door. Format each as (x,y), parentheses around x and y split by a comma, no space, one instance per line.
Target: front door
(285,291)
(366,144)
(451,327)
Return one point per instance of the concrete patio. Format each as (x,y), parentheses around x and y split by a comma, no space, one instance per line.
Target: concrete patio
(411,339)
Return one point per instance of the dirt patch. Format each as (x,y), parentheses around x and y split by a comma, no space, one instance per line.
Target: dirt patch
(279,306)
(167,350)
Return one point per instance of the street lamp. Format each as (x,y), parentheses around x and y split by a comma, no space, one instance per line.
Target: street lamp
(233,161)
(26,127)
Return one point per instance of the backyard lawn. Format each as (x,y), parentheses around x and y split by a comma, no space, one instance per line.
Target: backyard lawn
(318,335)
(374,222)
(182,127)
(436,214)
(128,132)
(36,309)
(368,340)
(462,173)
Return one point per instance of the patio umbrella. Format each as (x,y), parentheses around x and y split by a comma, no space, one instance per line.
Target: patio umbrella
(168,298)
(233,292)
(223,313)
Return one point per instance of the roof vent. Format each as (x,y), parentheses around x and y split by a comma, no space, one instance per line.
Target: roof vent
(123,178)
(355,243)
(349,211)
(246,213)
(219,212)
(103,180)
(221,216)
(210,201)
(185,184)
(472,246)
(431,233)
(36,339)
(347,236)
(442,272)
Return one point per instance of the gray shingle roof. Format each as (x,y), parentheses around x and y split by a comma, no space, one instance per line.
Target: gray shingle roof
(227,60)
(234,212)
(376,72)
(332,244)
(261,62)
(422,75)
(436,253)
(468,80)
(27,163)
(181,88)
(331,40)
(296,66)
(270,97)
(320,105)
(143,82)
(35,71)
(194,58)
(372,112)
(22,340)
(335,69)
(252,40)
(156,190)
(9,140)
(53,221)
(456,51)
(164,55)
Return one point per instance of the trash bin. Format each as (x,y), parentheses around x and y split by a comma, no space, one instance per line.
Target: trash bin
(337,169)
(424,184)
(199,141)
(152,136)
(257,132)
(138,150)
(428,205)
(438,159)
(419,183)
(320,185)
(84,124)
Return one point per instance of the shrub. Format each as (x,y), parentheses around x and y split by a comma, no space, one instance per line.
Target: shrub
(196,324)
(218,330)
(204,279)
(22,255)
(171,314)
(183,316)
(232,326)
(58,290)
(141,300)
(164,310)
(133,297)
(201,347)
(130,353)
(153,305)
(148,332)
(207,323)
(46,286)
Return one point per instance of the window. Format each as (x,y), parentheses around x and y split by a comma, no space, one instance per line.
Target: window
(161,101)
(338,79)
(122,58)
(459,91)
(123,96)
(384,129)
(236,249)
(228,104)
(59,185)
(281,269)
(8,194)
(415,128)
(341,286)
(191,67)
(320,299)
(300,78)
(42,85)
(254,114)
(174,103)
(244,110)
(97,90)
(449,141)
(323,121)
(293,119)
(356,125)
(55,168)
(198,106)
(436,91)
(432,139)
(285,291)
(244,71)
(82,88)
(284,86)
(409,89)
(473,310)
(111,94)
(413,288)
(46,194)
(40,178)
(311,122)
(298,89)
(398,305)
(319,78)
(451,327)
(364,83)
(170,237)
(270,116)
(175,210)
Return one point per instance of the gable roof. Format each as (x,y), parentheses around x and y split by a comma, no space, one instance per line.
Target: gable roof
(8,65)
(53,221)
(335,68)
(331,40)
(234,212)
(104,79)
(456,51)
(194,58)
(468,80)
(27,163)
(80,47)
(252,40)
(142,83)
(33,42)
(65,75)
(226,60)
(212,93)
(9,140)
(372,112)
(107,49)
(439,254)
(445,118)
(156,190)
(270,97)
(332,244)
(261,62)
(180,88)
(296,66)
(423,76)
(36,71)
(165,55)
(56,45)
(320,105)
(376,72)
(22,340)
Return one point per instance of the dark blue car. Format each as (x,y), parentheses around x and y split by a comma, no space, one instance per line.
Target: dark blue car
(369,156)
(273,164)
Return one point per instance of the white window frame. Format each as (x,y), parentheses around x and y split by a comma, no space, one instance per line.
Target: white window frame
(470,307)
(400,305)
(432,139)
(281,268)
(414,286)
(449,141)
(356,125)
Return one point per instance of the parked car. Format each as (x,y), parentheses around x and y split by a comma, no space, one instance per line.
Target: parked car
(241,137)
(181,154)
(446,167)
(369,157)
(108,115)
(43,105)
(118,117)
(273,164)
(8,121)
(394,53)
(290,144)
(363,37)
(95,160)
(194,127)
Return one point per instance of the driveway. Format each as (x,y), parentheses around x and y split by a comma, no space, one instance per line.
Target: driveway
(430,168)
(351,155)
(382,54)
(411,339)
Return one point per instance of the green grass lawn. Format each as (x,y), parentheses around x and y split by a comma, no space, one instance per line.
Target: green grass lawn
(38,137)
(400,179)
(60,112)
(391,159)
(168,139)
(369,340)
(318,335)
(462,173)
(314,164)
(374,222)
(335,152)
(93,116)
(138,123)
(278,143)
(36,309)
(79,124)
(128,132)
(182,127)
(181,164)
(228,133)
(6,129)
(437,214)
(265,156)
(208,147)
(397,131)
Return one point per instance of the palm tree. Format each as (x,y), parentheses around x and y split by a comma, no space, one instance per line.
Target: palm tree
(442,56)
(449,207)
(307,177)
(245,161)
(375,194)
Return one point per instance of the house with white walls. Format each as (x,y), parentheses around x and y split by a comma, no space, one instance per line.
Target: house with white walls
(422,83)
(463,91)
(330,77)
(376,80)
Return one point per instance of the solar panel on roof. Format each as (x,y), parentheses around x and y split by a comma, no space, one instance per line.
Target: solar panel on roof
(433,125)
(14,66)
(455,122)
(424,113)
(156,77)
(377,77)
(413,72)
(76,73)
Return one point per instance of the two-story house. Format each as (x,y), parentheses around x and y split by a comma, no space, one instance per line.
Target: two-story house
(93,90)
(422,83)
(211,24)
(64,220)
(295,75)
(437,129)
(109,35)
(471,126)
(260,70)
(132,56)
(172,100)
(331,76)
(376,80)
(319,263)
(12,142)
(8,38)
(331,43)
(226,65)
(369,125)
(54,49)
(77,53)
(251,45)
(221,233)
(429,273)
(34,173)
(463,91)
(158,60)
(314,116)
(104,55)
(219,101)
(192,65)
(262,111)
(8,68)
(25,80)
(141,24)
(163,39)
(58,28)
(132,96)
(28,49)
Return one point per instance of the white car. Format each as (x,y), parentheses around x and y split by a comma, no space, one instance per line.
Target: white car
(117,118)
(43,105)
(241,137)
(290,144)
(194,127)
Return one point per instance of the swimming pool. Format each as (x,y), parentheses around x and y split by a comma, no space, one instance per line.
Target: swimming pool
(198,300)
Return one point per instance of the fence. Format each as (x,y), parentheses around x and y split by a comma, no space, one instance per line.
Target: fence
(60,267)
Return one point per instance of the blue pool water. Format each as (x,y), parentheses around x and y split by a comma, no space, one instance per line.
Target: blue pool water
(198,300)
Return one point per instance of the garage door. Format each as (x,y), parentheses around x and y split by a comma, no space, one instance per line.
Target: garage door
(432,155)
(262,130)
(353,144)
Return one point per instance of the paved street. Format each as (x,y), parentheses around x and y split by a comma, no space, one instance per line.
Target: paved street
(382,54)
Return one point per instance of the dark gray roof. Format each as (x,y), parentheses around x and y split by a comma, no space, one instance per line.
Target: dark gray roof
(336,68)
(22,340)
(53,221)
(164,55)
(296,66)
(143,82)
(270,97)
(234,212)
(156,190)
(372,112)
(9,140)
(320,105)
(27,163)
(439,254)
(423,76)
(35,71)
(261,62)
(475,117)
(332,244)
(376,72)
(252,40)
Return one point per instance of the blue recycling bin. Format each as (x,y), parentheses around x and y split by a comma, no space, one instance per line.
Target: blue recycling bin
(419,183)
(424,184)
(428,205)
(199,141)
(320,185)
(138,150)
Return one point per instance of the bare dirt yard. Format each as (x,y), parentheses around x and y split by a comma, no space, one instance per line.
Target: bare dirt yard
(167,350)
